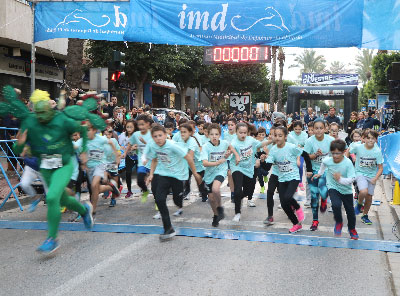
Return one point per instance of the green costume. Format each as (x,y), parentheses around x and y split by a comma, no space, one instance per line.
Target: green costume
(49,137)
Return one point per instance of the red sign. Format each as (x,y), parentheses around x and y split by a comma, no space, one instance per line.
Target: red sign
(237,55)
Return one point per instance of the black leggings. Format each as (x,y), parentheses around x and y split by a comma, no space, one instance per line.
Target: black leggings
(186,185)
(129,165)
(141,181)
(244,186)
(272,186)
(338,199)
(286,192)
(160,187)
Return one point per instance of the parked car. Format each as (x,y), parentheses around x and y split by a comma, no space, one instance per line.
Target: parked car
(162,112)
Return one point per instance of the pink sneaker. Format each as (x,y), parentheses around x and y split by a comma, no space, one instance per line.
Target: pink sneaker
(128,195)
(301,186)
(300,215)
(295,228)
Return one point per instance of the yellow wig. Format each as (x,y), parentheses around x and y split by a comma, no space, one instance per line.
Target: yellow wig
(39,95)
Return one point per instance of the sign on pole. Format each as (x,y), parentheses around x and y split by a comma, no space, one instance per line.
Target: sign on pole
(239,103)
(363,108)
(372,103)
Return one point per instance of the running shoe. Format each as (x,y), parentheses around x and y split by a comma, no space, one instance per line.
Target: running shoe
(113,202)
(338,229)
(265,179)
(314,225)
(128,194)
(114,187)
(106,194)
(178,213)
(121,188)
(221,214)
(262,190)
(323,206)
(300,215)
(157,216)
(251,203)
(63,209)
(215,221)
(301,186)
(75,218)
(295,228)
(204,198)
(365,220)
(357,208)
(236,218)
(34,205)
(88,217)
(307,204)
(49,246)
(269,221)
(145,195)
(156,207)
(353,234)
(170,233)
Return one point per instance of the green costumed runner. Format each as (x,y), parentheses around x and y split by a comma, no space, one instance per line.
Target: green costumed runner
(48,133)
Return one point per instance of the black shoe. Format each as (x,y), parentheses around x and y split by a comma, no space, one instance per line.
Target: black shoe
(215,221)
(114,188)
(221,214)
(204,198)
(170,233)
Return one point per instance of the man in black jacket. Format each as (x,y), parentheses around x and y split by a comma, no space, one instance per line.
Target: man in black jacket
(332,117)
(370,122)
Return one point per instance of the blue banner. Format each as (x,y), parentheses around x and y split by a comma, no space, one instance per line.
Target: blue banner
(83,20)
(306,23)
(389,145)
(381,24)
(329,79)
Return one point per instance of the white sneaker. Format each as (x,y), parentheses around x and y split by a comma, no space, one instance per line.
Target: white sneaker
(279,206)
(236,218)
(307,204)
(251,203)
(178,213)
(157,216)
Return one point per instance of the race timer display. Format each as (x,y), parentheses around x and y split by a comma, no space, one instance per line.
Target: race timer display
(237,55)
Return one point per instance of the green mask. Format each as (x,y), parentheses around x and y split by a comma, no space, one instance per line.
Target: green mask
(44,112)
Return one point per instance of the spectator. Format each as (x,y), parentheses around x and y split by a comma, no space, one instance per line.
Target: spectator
(309,116)
(371,122)
(351,126)
(296,116)
(170,117)
(332,117)
(361,120)
(208,117)
(71,100)
(111,105)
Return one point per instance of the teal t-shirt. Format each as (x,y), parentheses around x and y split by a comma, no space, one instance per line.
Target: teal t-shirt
(213,154)
(109,156)
(353,144)
(177,137)
(285,160)
(171,161)
(346,170)
(228,137)
(299,140)
(135,139)
(246,150)
(95,150)
(312,145)
(191,144)
(367,160)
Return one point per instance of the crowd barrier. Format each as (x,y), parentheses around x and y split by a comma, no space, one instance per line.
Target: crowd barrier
(390,147)
(6,148)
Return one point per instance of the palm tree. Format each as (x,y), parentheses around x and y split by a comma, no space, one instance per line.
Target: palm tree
(309,62)
(272,89)
(363,64)
(337,68)
(281,59)
(74,71)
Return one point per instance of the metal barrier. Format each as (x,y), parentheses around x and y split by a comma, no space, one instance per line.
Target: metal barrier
(8,150)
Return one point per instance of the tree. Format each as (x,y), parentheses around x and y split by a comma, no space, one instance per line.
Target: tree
(272,91)
(381,66)
(320,103)
(74,70)
(309,62)
(281,59)
(263,96)
(143,63)
(363,64)
(337,67)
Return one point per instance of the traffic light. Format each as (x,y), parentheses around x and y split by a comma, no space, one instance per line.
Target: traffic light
(115,69)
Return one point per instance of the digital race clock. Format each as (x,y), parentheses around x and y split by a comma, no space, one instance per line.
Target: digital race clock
(237,55)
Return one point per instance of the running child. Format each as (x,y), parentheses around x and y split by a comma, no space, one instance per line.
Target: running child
(318,147)
(368,170)
(340,175)
(214,155)
(298,137)
(168,171)
(261,173)
(130,157)
(229,137)
(112,156)
(310,132)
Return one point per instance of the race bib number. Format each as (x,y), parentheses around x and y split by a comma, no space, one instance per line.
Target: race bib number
(215,156)
(246,153)
(284,166)
(96,155)
(51,161)
(320,158)
(366,162)
(163,157)
(141,147)
(111,167)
